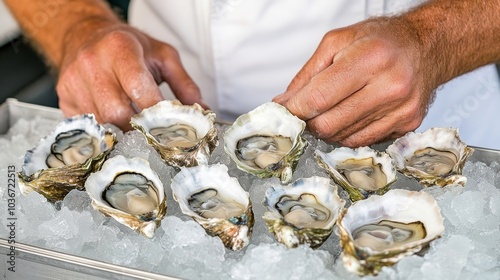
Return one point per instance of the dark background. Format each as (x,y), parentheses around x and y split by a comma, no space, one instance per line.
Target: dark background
(25,76)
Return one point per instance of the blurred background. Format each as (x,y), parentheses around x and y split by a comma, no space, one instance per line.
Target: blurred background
(23,73)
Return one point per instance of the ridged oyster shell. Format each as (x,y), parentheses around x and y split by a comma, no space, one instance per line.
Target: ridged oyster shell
(183,135)
(266,142)
(434,157)
(381,230)
(361,172)
(217,202)
(303,212)
(63,160)
(129,191)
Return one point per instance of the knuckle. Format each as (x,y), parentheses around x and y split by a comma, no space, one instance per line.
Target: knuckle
(113,112)
(116,38)
(400,89)
(168,51)
(87,57)
(322,127)
(413,124)
(319,97)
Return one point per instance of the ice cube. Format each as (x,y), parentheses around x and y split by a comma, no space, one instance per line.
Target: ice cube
(469,207)
(273,261)
(447,258)
(77,200)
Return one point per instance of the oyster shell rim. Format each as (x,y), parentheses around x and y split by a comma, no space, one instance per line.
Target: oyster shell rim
(354,193)
(54,183)
(285,167)
(453,177)
(181,156)
(364,260)
(283,230)
(122,164)
(235,236)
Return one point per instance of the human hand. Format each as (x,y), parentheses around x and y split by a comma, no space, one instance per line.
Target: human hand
(364,84)
(116,68)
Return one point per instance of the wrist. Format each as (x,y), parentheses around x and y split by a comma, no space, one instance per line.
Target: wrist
(455,36)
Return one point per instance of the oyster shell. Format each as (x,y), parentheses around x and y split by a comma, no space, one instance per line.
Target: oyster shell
(129,191)
(266,142)
(216,201)
(381,230)
(434,157)
(63,160)
(183,135)
(303,212)
(361,172)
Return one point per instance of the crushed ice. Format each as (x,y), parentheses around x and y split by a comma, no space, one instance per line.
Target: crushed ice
(469,248)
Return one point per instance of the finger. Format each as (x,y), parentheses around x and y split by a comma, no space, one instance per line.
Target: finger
(373,133)
(136,80)
(338,81)
(332,43)
(353,113)
(73,93)
(172,72)
(139,86)
(111,103)
(115,108)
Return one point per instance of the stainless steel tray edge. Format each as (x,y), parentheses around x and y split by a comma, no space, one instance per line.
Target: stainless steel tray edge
(76,263)
(13,110)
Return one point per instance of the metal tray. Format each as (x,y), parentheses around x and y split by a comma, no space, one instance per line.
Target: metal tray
(39,263)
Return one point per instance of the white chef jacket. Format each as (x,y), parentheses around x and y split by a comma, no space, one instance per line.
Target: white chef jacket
(242,53)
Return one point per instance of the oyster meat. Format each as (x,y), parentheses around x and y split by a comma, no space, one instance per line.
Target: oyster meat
(216,201)
(129,191)
(361,172)
(63,160)
(266,142)
(303,212)
(434,157)
(183,135)
(381,230)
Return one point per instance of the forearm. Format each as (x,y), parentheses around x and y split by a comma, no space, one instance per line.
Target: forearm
(49,23)
(457,35)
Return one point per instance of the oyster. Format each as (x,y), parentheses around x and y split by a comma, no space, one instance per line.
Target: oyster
(361,172)
(183,135)
(266,142)
(303,212)
(129,191)
(216,201)
(381,230)
(62,161)
(434,157)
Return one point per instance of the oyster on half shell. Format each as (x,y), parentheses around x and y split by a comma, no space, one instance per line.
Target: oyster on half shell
(129,191)
(381,230)
(266,142)
(303,212)
(361,172)
(63,160)
(434,157)
(216,201)
(183,135)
